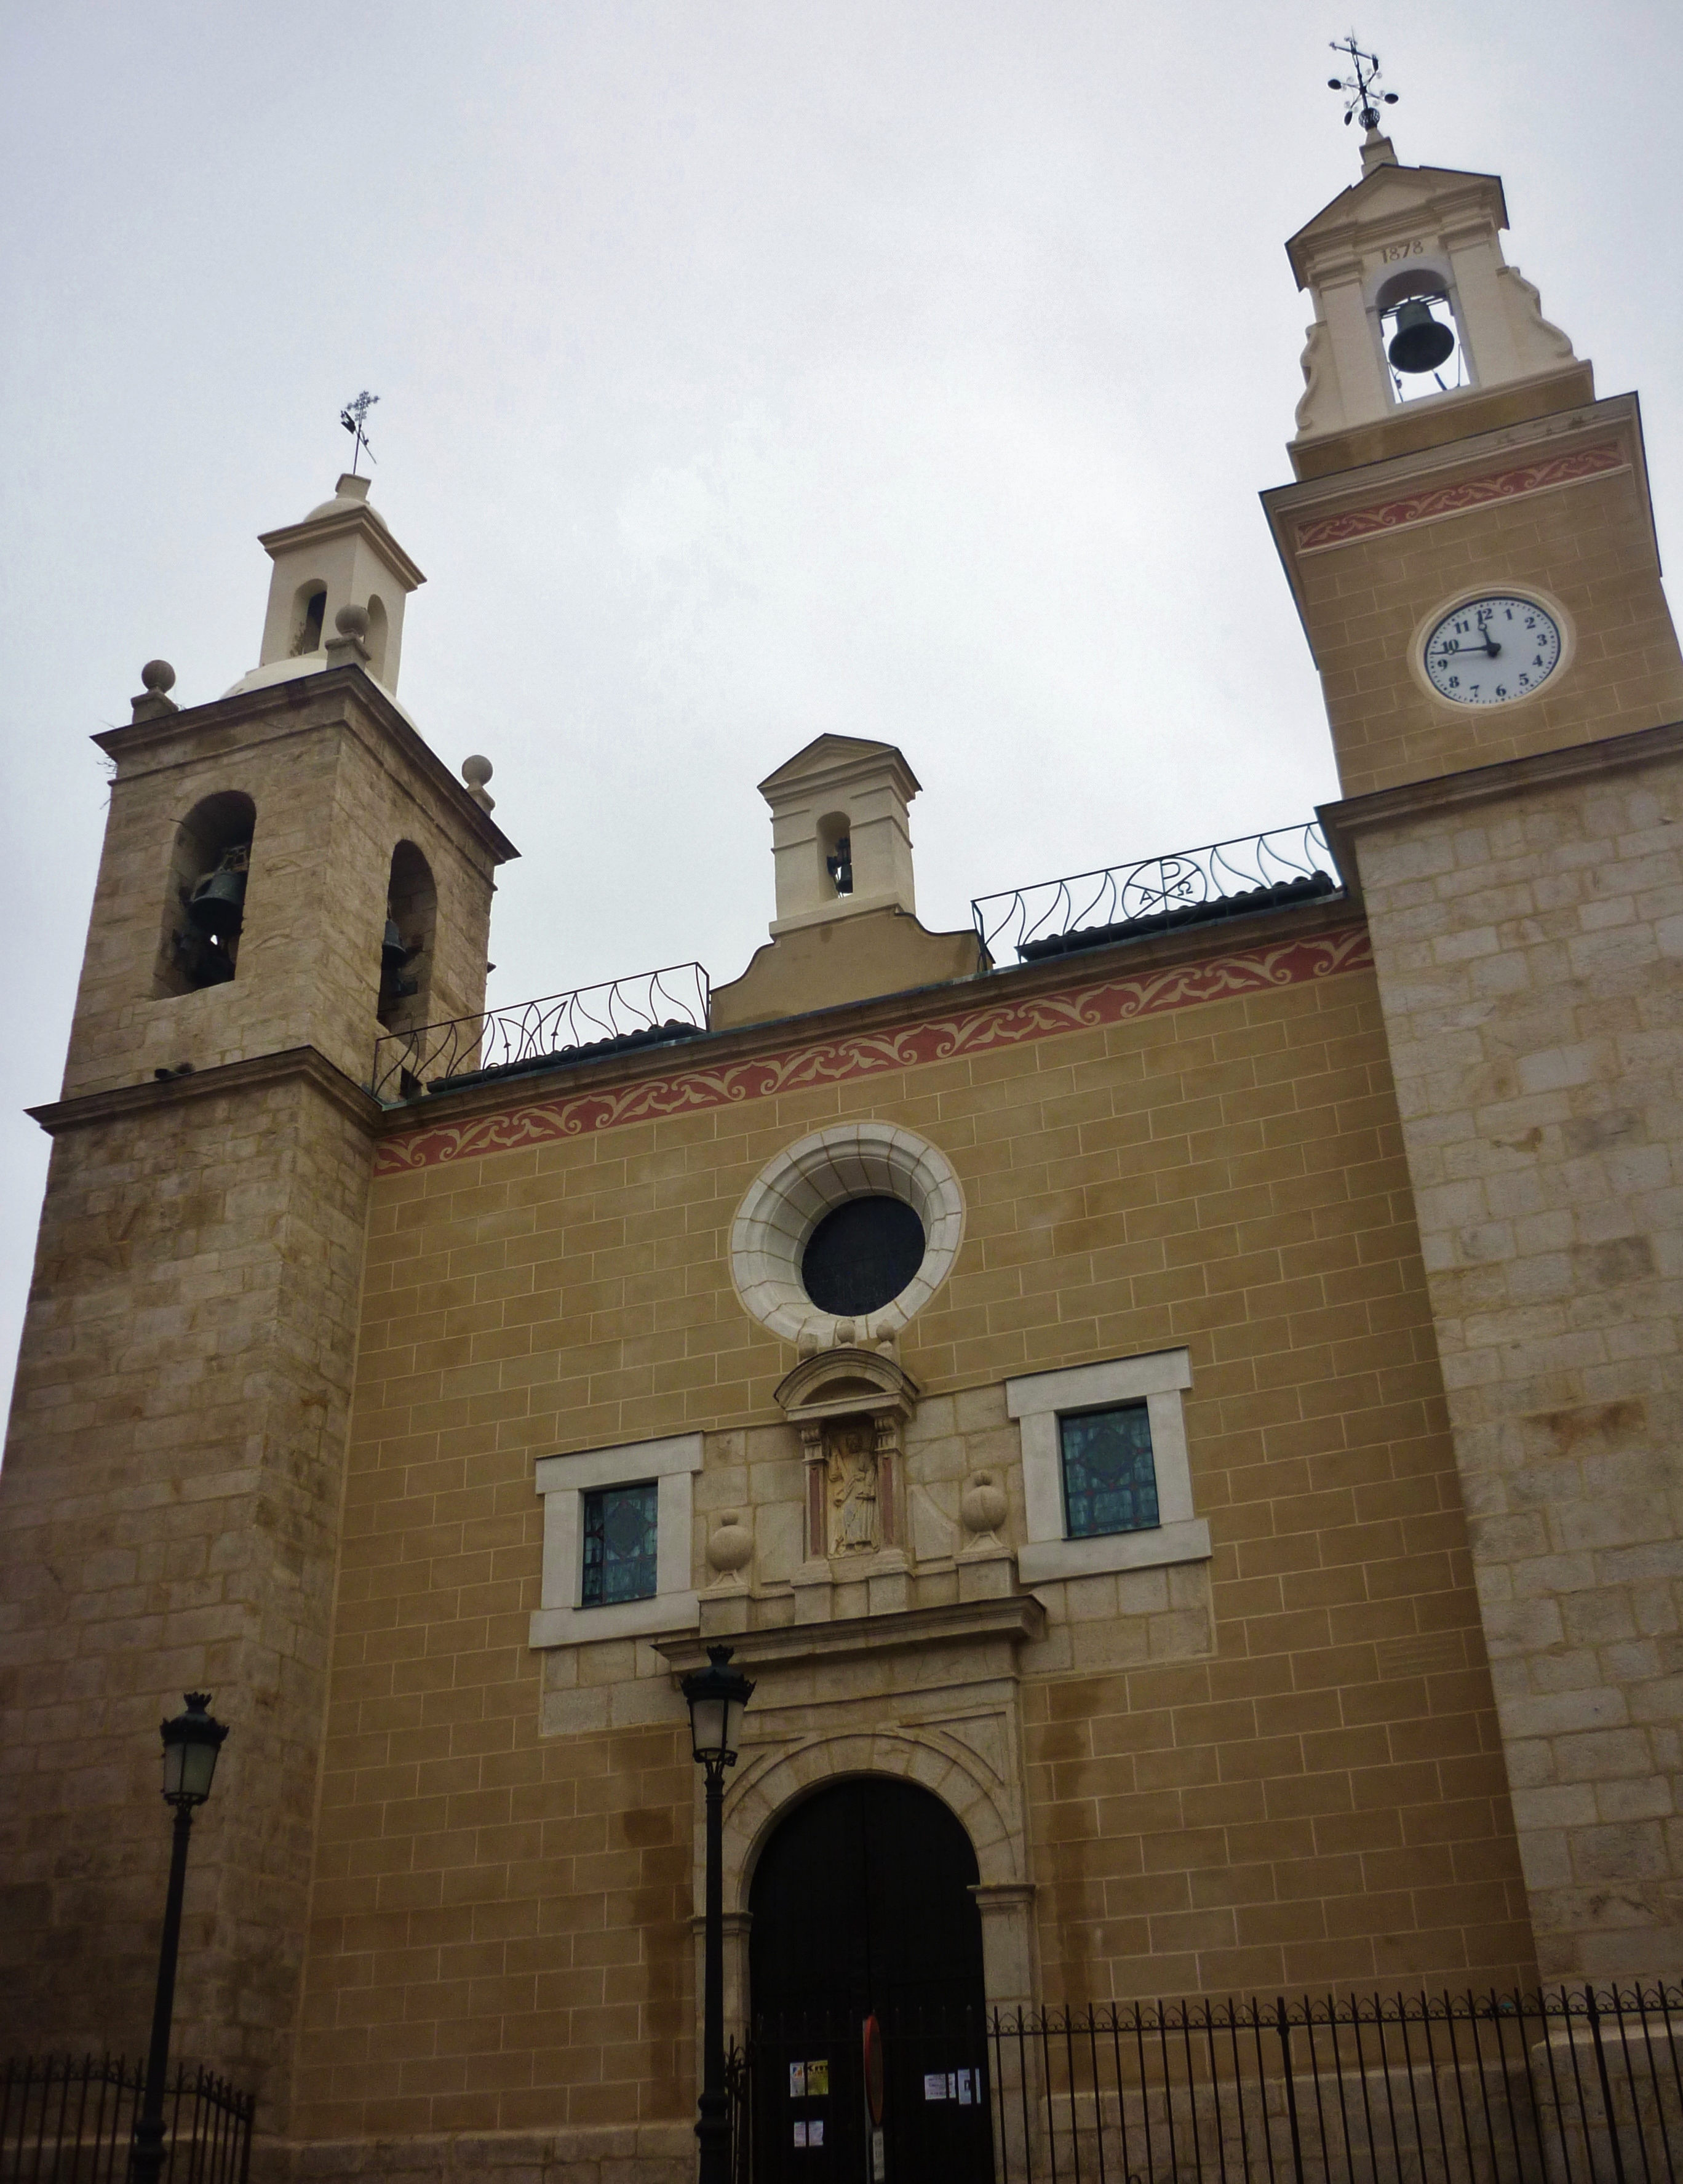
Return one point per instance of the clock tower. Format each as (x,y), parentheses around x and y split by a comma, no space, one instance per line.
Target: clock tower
(1469,540)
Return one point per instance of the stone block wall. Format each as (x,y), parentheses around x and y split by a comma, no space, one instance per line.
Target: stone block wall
(169,1519)
(1529,950)
(1162,1155)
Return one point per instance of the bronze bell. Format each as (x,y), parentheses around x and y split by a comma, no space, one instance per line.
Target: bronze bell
(393,953)
(1421,343)
(217,904)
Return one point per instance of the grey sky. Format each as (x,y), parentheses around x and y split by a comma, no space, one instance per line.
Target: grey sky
(745,371)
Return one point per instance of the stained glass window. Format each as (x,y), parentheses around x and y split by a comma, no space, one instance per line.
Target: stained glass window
(620,1533)
(1110,1482)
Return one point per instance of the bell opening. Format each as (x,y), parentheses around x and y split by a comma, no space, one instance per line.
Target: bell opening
(406,941)
(1422,347)
(205,896)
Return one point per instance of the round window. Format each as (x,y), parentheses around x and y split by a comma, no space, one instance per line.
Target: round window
(856,1227)
(861,1255)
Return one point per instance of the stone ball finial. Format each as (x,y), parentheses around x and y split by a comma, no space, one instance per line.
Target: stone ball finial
(157,676)
(982,1506)
(352,620)
(730,1546)
(476,771)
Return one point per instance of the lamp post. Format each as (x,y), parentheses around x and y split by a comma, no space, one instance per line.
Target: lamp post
(191,1743)
(716,1696)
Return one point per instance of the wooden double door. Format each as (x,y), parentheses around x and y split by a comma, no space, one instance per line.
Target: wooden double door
(862,1910)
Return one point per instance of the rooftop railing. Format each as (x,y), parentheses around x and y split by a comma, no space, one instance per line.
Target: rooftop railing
(619,1015)
(1158,894)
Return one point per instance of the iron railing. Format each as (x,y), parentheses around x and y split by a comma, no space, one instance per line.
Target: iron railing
(1579,2086)
(1126,902)
(619,1015)
(70,2119)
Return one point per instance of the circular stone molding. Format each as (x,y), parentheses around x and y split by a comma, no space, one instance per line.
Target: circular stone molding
(792,1195)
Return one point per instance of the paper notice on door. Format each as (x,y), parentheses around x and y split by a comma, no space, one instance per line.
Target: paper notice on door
(966,2097)
(800,2134)
(934,2085)
(818,2078)
(797,2084)
(814,2131)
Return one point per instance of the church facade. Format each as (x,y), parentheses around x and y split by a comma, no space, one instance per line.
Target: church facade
(1180,1427)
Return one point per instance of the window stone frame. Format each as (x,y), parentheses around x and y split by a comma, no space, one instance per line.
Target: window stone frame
(563,1481)
(1038,1401)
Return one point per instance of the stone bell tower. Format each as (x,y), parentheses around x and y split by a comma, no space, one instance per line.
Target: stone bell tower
(171,1499)
(1470,545)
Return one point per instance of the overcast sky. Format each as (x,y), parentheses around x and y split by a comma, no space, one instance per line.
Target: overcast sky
(746,370)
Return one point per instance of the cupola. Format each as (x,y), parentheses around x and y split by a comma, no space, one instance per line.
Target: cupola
(336,595)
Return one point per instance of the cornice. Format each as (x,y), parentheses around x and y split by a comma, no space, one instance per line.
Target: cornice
(88,1109)
(1018,1617)
(1446,461)
(278,704)
(359,519)
(1356,815)
(1093,988)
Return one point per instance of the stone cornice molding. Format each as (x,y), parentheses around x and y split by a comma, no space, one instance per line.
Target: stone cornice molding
(1344,823)
(151,743)
(1067,993)
(1018,1617)
(120,1101)
(357,520)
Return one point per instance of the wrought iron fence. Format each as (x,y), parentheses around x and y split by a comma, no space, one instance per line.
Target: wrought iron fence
(617,1015)
(1579,2086)
(1157,894)
(70,2119)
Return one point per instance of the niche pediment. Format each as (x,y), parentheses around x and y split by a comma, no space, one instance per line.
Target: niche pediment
(847,1382)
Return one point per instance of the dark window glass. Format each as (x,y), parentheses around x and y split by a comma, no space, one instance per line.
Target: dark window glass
(619,1530)
(861,1255)
(1110,1482)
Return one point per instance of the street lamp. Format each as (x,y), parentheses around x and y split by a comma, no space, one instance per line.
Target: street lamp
(191,1743)
(716,1696)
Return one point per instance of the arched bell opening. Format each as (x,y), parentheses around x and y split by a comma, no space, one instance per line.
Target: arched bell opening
(1419,333)
(863,1904)
(835,847)
(406,943)
(379,629)
(204,897)
(309,613)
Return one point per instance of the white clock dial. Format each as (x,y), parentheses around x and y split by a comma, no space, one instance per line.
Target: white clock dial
(1492,650)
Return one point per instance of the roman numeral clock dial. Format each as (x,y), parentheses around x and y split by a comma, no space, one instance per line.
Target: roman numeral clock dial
(1491,651)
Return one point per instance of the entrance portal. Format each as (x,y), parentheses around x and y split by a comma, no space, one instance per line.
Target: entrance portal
(862,1907)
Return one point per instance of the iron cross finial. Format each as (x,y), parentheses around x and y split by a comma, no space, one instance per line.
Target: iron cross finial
(354,419)
(1361,96)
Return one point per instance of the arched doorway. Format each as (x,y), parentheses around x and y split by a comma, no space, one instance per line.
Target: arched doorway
(862,1907)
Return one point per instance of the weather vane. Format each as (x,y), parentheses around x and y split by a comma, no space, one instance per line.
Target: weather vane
(354,419)
(1360,96)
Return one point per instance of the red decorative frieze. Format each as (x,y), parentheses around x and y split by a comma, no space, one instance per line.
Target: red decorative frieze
(1324,530)
(536,1117)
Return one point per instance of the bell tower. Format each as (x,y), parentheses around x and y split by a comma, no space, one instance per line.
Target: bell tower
(171,1499)
(1469,540)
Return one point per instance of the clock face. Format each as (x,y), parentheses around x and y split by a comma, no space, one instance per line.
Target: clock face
(1492,650)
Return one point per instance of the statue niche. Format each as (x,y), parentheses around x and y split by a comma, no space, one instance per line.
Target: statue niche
(852,1488)
(848,1405)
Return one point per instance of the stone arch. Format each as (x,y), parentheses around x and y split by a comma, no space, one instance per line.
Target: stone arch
(961,1780)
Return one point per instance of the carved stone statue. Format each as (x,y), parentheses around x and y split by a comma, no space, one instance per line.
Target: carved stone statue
(850,1487)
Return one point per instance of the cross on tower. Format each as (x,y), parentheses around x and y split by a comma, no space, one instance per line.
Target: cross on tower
(1361,97)
(354,419)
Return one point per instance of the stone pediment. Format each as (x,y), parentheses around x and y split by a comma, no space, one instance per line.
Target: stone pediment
(828,754)
(1392,193)
(847,1382)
